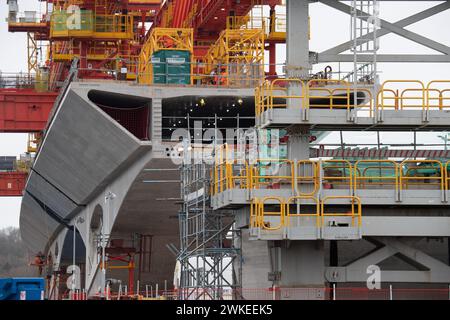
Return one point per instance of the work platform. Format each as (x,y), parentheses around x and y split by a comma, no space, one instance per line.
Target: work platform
(341,119)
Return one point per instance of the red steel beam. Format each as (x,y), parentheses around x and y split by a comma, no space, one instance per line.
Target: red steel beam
(12,183)
(25,110)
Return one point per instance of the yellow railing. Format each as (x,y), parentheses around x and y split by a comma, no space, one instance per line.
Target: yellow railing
(338,94)
(307,176)
(298,213)
(413,173)
(117,26)
(447,175)
(363,179)
(264,209)
(337,174)
(443,98)
(353,213)
(264,173)
(276,94)
(413,96)
(329,99)
(266,225)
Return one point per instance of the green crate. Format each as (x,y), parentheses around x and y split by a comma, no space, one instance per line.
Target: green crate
(172,67)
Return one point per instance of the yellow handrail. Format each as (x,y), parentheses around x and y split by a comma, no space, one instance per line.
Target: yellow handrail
(295,198)
(255,178)
(441,97)
(331,97)
(447,175)
(265,225)
(308,178)
(393,165)
(346,165)
(404,178)
(398,99)
(352,214)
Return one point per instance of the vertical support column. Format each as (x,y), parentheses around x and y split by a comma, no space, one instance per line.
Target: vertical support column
(272,45)
(298,269)
(300,264)
(297,42)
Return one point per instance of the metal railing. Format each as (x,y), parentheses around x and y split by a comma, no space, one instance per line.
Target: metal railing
(117,26)
(307,176)
(355,210)
(273,213)
(421,174)
(379,173)
(337,173)
(330,174)
(296,201)
(338,94)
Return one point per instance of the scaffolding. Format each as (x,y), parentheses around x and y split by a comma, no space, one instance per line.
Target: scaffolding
(210,252)
(238,56)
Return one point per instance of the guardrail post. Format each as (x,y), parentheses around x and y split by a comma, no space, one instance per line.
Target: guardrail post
(334,291)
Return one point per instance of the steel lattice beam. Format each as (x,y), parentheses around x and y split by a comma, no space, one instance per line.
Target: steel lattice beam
(333,54)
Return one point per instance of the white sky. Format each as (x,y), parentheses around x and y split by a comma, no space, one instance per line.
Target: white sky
(328,28)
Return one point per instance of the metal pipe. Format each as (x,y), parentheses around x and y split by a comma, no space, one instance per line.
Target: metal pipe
(74,257)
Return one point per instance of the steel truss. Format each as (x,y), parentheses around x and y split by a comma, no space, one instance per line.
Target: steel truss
(427,269)
(335,54)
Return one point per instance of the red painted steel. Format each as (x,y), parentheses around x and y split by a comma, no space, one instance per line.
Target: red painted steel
(24,110)
(12,183)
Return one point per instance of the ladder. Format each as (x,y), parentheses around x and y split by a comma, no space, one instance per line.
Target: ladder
(363,28)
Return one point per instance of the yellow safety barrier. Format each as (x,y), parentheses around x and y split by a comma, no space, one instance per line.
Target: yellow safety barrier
(259,211)
(258,176)
(294,201)
(330,99)
(353,213)
(338,172)
(91,25)
(337,94)
(266,225)
(307,176)
(275,94)
(411,173)
(254,213)
(368,106)
(362,180)
(443,98)
(404,98)
(447,175)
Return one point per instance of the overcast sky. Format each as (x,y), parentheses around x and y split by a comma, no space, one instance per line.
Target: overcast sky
(328,28)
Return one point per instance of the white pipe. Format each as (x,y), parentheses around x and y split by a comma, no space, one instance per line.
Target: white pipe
(334,291)
(390,293)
